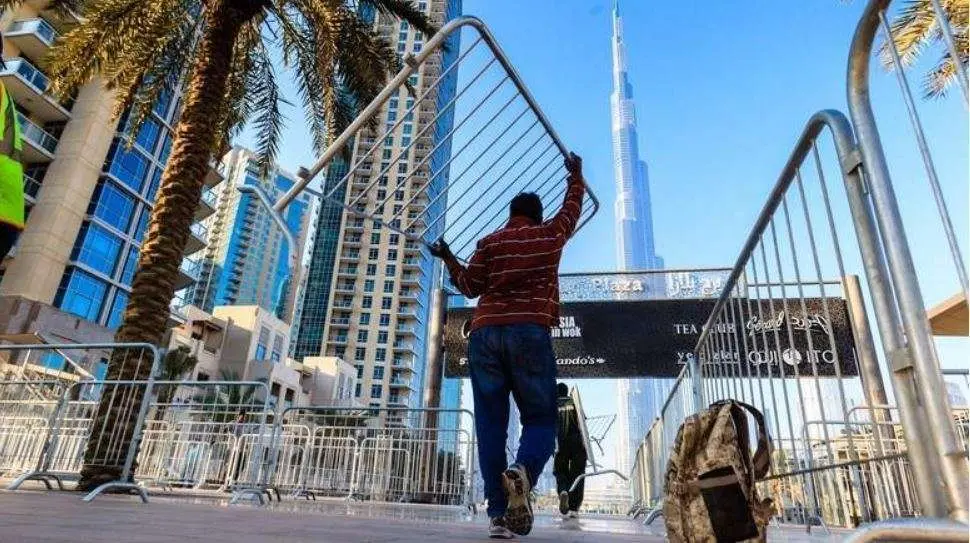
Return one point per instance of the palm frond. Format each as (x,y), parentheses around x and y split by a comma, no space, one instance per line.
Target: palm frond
(263,95)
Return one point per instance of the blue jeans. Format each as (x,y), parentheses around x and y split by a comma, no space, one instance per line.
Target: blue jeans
(516,359)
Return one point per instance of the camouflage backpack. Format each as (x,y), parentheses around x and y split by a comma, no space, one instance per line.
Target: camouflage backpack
(709,488)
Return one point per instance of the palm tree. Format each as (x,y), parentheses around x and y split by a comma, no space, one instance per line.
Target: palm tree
(176,363)
(914,29)
(221,49)
(225,402)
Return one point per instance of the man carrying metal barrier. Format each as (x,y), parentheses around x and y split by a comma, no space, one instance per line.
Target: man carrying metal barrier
(515,270)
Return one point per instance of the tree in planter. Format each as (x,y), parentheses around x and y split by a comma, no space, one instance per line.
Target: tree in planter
(142,48)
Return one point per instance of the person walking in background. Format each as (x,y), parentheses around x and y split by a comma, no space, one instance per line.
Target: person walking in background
(515,271)
(570,461)
(11,172)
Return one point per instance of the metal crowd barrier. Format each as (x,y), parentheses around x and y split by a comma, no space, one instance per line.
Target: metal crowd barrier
(95,423)
(780,333)
(482,138)
(387,454)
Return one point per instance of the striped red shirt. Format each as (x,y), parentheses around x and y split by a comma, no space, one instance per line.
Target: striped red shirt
(515,270)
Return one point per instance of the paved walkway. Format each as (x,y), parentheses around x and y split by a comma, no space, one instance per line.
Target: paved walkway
(29,516)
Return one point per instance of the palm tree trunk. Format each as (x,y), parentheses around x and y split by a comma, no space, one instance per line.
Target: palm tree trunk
(146,315)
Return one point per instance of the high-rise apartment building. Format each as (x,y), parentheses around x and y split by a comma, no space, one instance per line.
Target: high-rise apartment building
(247,260)
(367,299)
(634,240)
(90,182)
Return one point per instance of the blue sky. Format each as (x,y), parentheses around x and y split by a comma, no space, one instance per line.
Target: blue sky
(723,90)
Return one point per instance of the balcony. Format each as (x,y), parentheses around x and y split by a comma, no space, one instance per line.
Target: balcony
(350,255)
(343,304)
(403,365)
(207,205)
(213,176)
(408,312)
(412,263)
(29,86)
(402,383)
(409,295)
(31,188)
(352,241)
(197,240)
(340,322)
(349,271)
(356,226)
(411,278)
(406,330)
(345,287)
(32,36)
(39,145)
(188,273)
(339,339)
(405,346)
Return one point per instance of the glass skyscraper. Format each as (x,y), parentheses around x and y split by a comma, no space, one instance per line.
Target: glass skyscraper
(367,296)
(635,249)
(247,258)
(90,182)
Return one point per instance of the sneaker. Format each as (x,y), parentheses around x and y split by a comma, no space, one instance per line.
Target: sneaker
(498,530)
(564,503)
(572,515)
(518,515)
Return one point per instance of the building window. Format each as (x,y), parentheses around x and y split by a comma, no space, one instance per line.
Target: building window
(381,194)
(369,285)
(130,166)
(277,348)
(98,248)
(380,355)
(373,254)
(372,269)
(117,309)
(365,319)
(361,336)
(148,135)
(399,195)
(142,227)
(131,264)
(385,319)
(113,206)
(385,303)
(375,238)
(382,337)
(394,240)
(402,167)
(367,302)
(81,294)
(360,353)
(392,254)
(376,391)
(379,373)
(392,103)
(388,287)
(357,391)
(261,343)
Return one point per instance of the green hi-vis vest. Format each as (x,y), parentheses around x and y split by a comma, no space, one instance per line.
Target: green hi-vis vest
(11,170)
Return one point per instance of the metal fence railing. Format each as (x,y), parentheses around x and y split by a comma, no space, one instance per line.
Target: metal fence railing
(790,335)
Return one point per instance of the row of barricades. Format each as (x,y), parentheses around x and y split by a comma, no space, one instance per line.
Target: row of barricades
(216,436)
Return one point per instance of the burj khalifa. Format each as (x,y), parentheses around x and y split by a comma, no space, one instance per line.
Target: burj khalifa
(635,251)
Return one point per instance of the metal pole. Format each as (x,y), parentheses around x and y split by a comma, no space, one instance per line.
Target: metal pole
(435,347)
(912,309)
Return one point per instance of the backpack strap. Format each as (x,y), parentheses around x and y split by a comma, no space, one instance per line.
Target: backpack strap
(762,456)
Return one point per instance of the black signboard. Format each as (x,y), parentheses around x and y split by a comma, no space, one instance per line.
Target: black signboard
(655,338)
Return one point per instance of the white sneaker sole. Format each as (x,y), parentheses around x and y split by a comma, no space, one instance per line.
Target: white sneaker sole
(518,515)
